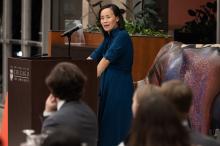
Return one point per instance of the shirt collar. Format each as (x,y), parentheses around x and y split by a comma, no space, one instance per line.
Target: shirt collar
(185,123)
(114,32)
(60,104)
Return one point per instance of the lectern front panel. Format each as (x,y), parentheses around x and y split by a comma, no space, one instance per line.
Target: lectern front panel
(27,92)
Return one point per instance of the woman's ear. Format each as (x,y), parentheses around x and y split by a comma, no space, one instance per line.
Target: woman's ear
(117,19)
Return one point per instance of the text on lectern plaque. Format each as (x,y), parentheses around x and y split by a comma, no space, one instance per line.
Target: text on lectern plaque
(19,74)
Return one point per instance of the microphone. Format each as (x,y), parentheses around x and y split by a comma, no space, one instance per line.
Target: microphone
(72,30)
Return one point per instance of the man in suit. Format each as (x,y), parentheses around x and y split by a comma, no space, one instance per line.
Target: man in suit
(66,137)
(181,95)
(63,107)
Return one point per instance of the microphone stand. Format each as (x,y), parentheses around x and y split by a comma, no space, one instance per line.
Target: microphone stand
(68,33)
(69,46)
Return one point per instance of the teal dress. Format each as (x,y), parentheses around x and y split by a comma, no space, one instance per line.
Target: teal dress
(116,87)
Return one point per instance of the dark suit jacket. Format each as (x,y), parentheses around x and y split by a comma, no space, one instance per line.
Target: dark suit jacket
(77,116)
(203,140)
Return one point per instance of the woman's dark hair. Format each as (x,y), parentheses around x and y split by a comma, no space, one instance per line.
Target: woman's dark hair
(66,81)
(117,12)
(157,123)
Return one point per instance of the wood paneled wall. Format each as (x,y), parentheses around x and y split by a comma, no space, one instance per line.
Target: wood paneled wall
(145,49)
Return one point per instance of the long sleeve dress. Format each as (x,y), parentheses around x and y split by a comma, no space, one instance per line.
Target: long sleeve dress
(116,87)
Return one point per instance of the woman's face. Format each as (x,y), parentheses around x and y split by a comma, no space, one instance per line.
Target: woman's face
(108,20)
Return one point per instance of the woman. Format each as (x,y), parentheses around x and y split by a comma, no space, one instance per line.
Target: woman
(140,93)
(156,122)
(115,57)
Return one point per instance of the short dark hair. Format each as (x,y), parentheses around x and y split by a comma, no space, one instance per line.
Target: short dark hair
(179,94)
(66,81)
(117,12)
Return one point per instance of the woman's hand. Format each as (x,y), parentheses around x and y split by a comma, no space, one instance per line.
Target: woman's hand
(103,64)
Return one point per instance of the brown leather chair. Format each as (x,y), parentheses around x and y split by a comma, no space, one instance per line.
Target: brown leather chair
(197,67)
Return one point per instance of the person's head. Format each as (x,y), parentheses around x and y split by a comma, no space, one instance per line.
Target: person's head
(157,123)
(63,137)
(66,81)
(179,94)
(110,17)
(142,92)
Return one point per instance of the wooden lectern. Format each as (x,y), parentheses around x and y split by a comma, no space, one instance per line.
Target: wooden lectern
(27,92)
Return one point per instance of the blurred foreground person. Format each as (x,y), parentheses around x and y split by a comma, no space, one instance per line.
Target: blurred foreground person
(156,122)
(64,109)
(143,91)
(4,126)
(180,95)
(63,137)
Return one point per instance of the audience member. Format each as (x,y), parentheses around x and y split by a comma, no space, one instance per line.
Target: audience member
(156,122)
(1,143)
(65,109)
(4,126)
(180,95)
(142,92)
(215,121)
(63,137)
